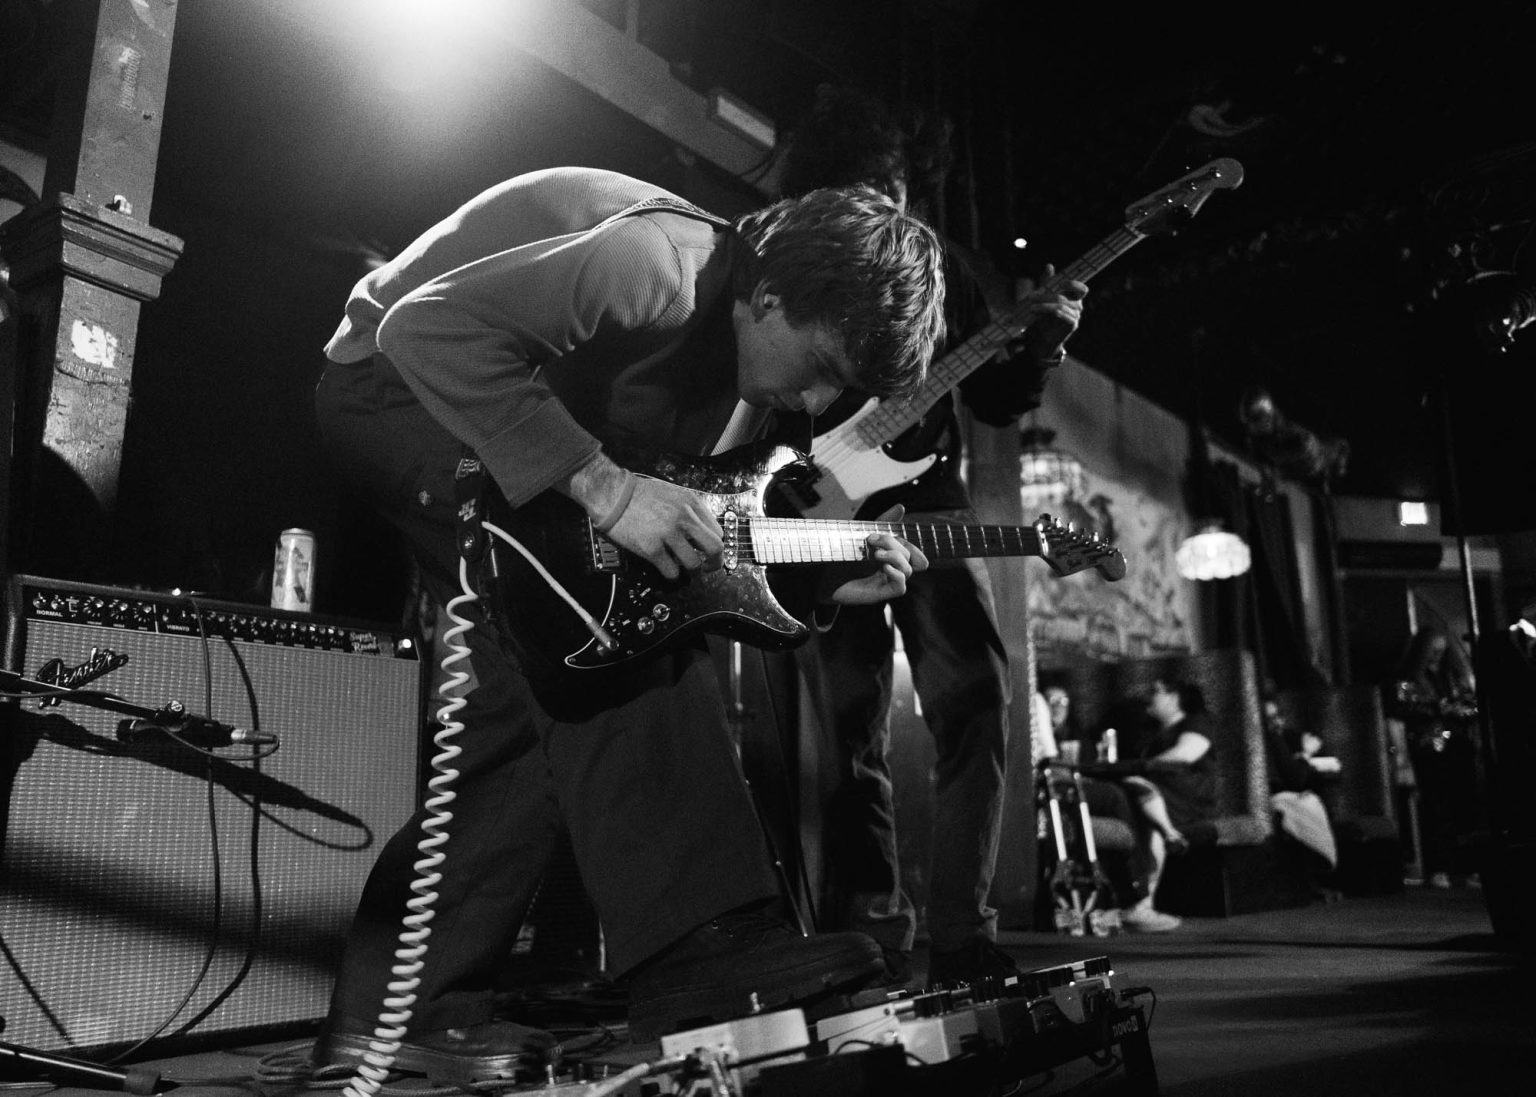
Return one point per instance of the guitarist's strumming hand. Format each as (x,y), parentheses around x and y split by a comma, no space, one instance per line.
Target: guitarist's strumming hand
(896,558)
(1050,315)
(668,525)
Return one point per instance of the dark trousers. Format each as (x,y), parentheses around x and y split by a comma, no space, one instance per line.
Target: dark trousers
(1449,807)
(960,674)
(639,768)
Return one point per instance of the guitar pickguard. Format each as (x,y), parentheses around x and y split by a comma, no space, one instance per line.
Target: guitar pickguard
(840,492)
(847,470)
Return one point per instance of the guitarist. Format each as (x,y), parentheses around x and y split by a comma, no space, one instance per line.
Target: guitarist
(947,620)
(552,316)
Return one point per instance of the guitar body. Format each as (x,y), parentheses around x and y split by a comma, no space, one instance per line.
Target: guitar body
(644,612)
(848,470)
(636,612)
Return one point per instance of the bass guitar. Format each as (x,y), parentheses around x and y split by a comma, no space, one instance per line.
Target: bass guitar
(850,461)
(612,609)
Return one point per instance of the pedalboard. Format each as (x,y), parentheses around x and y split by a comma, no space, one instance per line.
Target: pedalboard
(994,1034)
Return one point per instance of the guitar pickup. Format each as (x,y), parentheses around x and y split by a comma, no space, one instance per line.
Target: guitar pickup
(606,556)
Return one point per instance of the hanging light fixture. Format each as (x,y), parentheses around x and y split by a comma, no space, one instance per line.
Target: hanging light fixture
(1048,477)
(1212,552)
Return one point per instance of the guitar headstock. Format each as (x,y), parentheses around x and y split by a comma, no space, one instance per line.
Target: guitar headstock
(1067,550)
(1177,203)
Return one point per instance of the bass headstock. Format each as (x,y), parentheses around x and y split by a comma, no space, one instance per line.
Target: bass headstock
(1176,204)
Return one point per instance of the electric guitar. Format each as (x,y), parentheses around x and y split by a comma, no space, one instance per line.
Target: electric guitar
(621,610)
(850,461)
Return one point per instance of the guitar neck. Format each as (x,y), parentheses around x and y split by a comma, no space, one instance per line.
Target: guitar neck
(820,541)
(892,417)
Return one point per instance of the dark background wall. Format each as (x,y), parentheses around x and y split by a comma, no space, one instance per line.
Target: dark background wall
(1386,160)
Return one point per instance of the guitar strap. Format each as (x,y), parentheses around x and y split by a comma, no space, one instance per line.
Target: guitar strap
(469,500)
(668,203)
(472,501)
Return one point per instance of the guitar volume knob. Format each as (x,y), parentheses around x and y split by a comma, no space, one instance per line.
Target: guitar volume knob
(661,611)
(646,625)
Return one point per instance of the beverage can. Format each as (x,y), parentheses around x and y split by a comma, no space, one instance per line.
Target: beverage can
(293,571)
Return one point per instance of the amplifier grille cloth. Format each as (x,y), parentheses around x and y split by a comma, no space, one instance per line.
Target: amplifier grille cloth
(107,877)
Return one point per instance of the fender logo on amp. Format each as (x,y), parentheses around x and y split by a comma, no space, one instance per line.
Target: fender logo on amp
(102,661)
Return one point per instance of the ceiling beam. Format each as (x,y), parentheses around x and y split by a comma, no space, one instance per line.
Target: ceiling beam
(611,64)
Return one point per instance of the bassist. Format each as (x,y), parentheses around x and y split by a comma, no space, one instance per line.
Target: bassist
(947,620)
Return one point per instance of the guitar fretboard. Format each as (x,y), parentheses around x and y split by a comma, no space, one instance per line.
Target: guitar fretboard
(810,541)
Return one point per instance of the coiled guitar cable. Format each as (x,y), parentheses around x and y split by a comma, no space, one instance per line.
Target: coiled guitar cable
(400,994)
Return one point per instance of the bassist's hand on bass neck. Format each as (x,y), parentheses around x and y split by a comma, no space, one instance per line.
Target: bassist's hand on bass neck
(1046,317)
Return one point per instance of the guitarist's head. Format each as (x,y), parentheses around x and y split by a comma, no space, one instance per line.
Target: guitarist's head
(839,288)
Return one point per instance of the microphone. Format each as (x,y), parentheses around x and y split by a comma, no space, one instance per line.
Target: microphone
(196,730)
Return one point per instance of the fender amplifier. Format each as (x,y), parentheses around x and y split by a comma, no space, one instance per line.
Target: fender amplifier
(128,862)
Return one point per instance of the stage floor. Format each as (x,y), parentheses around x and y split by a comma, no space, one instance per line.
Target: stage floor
(1398,995)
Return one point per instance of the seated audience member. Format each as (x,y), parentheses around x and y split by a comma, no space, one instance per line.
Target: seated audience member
(1063,724)
(1179,789)
(1298,773)
(1298,760)
(1129,871)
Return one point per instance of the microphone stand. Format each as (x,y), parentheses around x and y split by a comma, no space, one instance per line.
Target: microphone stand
(171,718)
(26,1064)
(17,1063)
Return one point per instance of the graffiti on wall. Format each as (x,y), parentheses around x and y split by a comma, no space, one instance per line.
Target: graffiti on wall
(1145,613)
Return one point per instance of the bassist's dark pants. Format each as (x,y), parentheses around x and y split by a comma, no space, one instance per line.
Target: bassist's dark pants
(641,771)
(959,673)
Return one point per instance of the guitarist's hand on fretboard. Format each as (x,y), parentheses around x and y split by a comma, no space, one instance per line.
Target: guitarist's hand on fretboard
(897,559)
